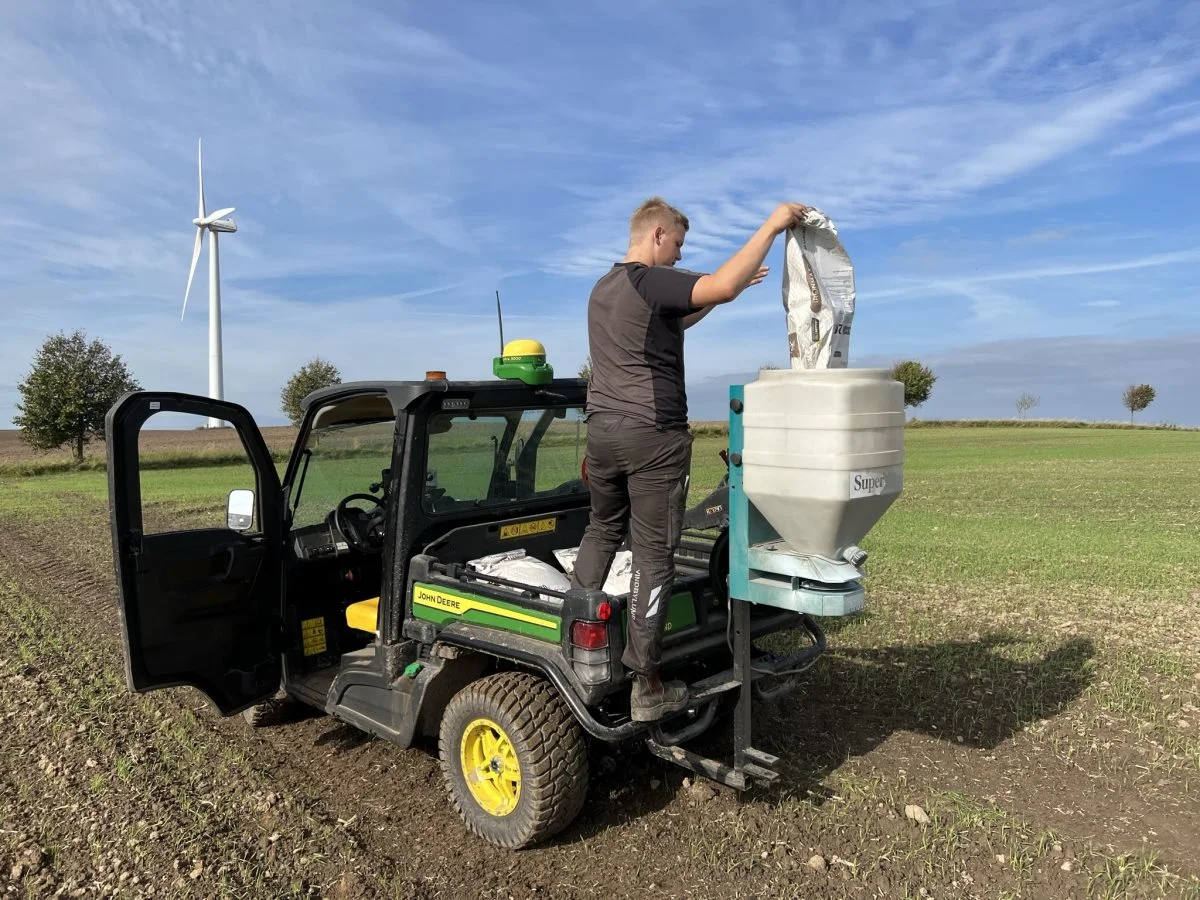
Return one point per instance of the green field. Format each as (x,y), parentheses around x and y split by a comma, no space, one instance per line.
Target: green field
(1032,614)
(1048,516)
(1004,525)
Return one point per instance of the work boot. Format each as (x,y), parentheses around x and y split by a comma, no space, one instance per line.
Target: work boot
(651,699)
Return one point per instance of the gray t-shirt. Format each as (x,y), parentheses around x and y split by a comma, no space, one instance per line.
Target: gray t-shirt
(635,336)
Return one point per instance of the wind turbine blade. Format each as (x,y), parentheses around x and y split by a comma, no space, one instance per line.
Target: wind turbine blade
(200,167)
(192,271)
(219,214)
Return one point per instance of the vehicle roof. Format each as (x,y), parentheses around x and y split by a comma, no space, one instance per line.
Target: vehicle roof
(402,394)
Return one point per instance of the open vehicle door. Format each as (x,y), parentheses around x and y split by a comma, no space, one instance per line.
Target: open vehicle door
(199,607)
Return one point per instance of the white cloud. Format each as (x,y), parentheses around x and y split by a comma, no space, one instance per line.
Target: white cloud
(890,166)
(1063,270)
(1041,236)
(1064,126)
(1177,129)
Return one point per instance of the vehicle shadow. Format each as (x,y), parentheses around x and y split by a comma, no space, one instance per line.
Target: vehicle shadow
(340,737)
(974,694)
(625,785)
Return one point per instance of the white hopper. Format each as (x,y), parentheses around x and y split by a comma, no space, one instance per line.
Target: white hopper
(823,453)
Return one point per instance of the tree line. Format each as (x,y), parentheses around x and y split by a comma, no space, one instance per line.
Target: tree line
(73,382)
(918,382)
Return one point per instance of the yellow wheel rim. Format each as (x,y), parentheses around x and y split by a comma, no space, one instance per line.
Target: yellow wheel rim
(490,767)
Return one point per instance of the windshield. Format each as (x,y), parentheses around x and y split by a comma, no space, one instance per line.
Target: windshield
(341,460)
(502,456)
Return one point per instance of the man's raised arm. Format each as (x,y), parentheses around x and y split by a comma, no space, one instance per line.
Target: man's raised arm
(745,267)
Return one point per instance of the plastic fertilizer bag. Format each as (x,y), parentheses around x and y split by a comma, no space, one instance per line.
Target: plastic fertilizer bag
(514,565)
(818,294)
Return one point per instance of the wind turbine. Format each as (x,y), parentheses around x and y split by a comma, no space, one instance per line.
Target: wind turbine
(214,224)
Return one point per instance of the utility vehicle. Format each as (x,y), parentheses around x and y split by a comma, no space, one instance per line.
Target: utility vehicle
(344,585)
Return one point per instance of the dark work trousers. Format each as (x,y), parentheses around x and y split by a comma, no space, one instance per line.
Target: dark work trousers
(638,474)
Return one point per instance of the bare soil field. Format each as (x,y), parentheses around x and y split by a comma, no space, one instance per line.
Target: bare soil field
(988,730)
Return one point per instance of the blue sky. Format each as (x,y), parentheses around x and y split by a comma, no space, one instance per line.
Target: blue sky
(1015,183)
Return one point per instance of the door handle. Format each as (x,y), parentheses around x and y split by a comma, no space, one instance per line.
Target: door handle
(226,552)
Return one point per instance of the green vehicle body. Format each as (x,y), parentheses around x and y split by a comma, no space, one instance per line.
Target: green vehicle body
(257,615)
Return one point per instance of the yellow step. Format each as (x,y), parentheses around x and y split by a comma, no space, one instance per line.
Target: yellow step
(363,615)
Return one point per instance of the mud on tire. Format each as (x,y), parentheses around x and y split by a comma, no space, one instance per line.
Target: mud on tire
(550,750)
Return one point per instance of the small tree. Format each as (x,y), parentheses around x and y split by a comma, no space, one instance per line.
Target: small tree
(917,380)
(312,376)
(68,392)
(585,371)
(1027,402)
(1137,397)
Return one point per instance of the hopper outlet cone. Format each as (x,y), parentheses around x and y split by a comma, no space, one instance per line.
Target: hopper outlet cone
(822,526)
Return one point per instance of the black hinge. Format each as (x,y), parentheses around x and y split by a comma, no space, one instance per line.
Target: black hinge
(133,539)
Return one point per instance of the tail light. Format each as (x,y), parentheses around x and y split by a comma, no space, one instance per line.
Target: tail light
(589,651)
(589,635)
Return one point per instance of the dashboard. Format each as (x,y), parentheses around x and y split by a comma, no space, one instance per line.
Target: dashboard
(321,541)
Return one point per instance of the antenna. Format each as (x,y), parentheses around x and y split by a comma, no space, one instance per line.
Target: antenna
(500,318)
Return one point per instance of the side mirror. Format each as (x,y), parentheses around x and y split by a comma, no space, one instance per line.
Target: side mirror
(239,511)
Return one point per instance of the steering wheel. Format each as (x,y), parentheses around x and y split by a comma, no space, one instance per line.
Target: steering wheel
(364,529)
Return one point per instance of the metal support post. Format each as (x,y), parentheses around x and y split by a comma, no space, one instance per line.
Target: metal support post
(740,611)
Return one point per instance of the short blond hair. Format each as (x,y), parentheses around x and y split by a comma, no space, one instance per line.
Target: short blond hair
(652,213)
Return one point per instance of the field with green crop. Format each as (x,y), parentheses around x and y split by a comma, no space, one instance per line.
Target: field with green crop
(1016,714)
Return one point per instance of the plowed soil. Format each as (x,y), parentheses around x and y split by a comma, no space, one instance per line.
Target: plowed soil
(106,793)
(200,440)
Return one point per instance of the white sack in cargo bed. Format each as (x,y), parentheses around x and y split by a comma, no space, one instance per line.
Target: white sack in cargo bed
(818,294)
(514,565)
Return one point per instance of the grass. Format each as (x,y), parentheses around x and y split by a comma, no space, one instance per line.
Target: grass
(1068,523)
(1046,516)
(1084,530)
(1042,423)
(1031,586)
(1109,510)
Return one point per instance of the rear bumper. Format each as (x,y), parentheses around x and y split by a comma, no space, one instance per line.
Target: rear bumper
(717,641)
(614,725)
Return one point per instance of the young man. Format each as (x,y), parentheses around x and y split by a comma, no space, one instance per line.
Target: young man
(639,447)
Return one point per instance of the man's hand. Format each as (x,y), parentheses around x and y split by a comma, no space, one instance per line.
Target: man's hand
(785,216)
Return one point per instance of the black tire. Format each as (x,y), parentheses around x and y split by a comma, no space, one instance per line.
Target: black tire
(550,751)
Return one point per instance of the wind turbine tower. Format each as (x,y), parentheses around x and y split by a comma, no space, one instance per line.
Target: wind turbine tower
(214,224)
